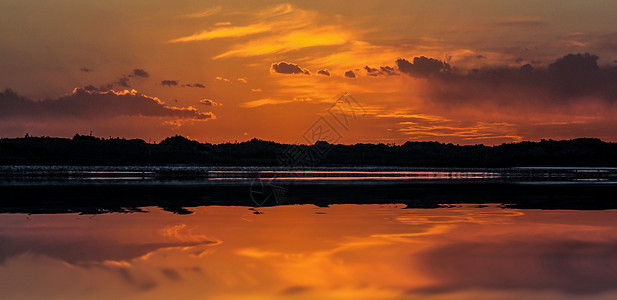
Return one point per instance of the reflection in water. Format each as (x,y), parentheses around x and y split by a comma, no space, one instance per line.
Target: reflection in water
(308,252)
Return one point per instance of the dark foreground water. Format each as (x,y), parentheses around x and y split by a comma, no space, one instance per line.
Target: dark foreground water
(330,233)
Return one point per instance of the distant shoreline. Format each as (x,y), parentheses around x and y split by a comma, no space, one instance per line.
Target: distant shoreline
(177,150)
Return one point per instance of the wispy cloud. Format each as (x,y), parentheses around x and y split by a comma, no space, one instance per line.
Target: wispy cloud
(265,101)
(465,131)
(223,32)
(206,13)
(296,40)
(281,29)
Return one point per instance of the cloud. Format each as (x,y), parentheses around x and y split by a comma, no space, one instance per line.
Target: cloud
(387,70)
(86,70)
(85,104)
(206,13)
(169,82)
(139,73)
(350,74)
(278,29)
(264,101)
(223,32)
(421,66)
(293,40)
(243,80)
(371,72)
(124,81)
(323,72)
(571,77)
(209,102)
(194,85)
(288,68)
(222,79)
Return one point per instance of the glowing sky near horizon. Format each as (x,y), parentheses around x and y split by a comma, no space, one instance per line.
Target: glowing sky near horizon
(212,70)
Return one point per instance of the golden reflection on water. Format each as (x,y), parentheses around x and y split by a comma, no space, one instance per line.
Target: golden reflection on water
(307,252)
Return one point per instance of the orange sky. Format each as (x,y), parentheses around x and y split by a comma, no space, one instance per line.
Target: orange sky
(212,70)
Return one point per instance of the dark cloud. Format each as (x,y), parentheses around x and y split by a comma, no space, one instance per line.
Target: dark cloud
(288,68)
(87,104)
(519,60)
(323,72)
(350,74)
(387,70)
(480,56)
(422,66)
(209,102)
(123,82)
(194,85)
(84,69)
(139,73)
(578,74)
(169,82)
(371,71)
(526,69)
(172,274)
(90,88)
(574,76)
(102,88)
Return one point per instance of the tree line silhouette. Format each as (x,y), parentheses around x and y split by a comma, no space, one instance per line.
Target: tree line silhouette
(90,150)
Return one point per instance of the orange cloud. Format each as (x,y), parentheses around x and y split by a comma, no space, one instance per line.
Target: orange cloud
(299,39)
(223,32)
(264,101)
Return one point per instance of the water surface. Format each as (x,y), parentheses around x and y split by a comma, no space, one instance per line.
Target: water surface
(309,252)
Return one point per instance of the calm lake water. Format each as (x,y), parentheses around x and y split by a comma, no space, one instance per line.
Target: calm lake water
(215,249)
(191,175)
(310,252)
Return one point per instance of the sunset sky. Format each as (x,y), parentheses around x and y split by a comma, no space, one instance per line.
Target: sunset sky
(465,72)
